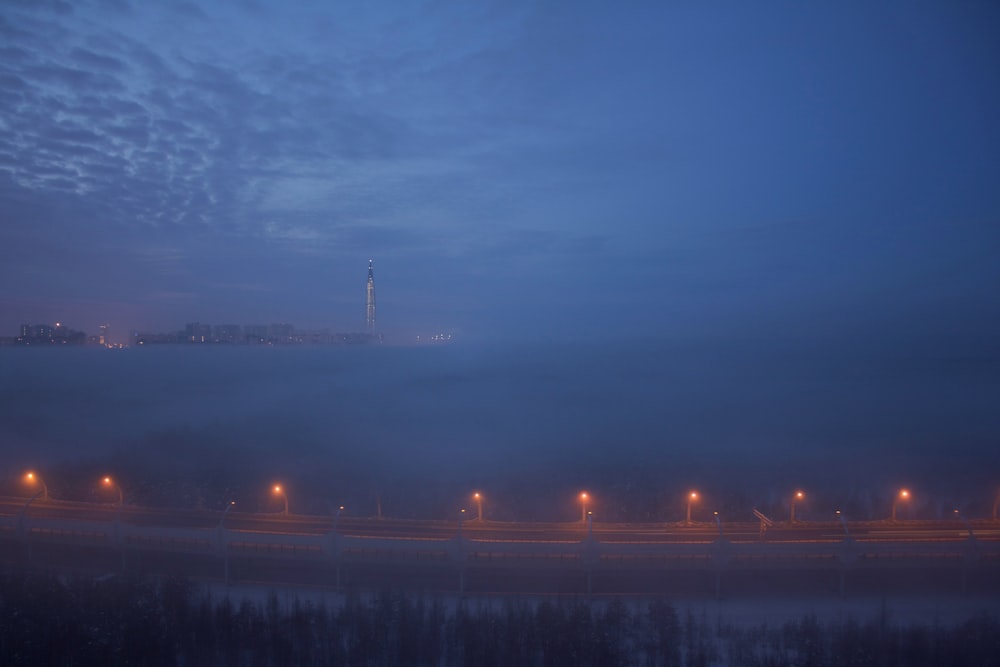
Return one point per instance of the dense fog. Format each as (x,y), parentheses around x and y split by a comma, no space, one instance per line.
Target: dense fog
(636,424)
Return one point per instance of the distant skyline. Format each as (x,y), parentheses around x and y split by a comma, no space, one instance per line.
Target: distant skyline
(516,170)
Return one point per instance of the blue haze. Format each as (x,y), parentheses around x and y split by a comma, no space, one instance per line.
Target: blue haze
(634,423)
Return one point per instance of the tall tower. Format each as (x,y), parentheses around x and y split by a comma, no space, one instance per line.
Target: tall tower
(370,316)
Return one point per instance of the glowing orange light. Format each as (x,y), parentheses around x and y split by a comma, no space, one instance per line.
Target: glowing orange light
(799,495)
(694,495)
(904,494)
(277,488)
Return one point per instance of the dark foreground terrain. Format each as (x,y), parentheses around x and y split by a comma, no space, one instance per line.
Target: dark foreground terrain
(118,620)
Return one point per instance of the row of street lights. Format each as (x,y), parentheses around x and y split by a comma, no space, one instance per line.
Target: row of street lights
(33,479)
(693,497)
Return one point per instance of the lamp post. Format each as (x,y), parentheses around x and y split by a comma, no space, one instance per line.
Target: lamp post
(111,484)
(32,478)
(901,496)
(224,513)
(843,522)
(718,522)
(221,533)
(583,506)
(278,490)
(692,497)
(798,495)
(461,519)
(336,517)
(478,497)
(968,526)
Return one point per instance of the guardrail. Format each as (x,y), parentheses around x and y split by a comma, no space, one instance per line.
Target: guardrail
(464,555)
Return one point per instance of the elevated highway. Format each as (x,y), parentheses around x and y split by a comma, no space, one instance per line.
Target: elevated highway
(491,557)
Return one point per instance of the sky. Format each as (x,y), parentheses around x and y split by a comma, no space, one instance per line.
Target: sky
(550,170)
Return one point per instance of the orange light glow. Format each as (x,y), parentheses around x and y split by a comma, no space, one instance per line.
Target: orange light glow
(277,488)
(904,494)
(799,495)
(694,495)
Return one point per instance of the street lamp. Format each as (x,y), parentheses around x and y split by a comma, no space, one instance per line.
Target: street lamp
(32,478)
(278,490)
(111,484)
(478,497)
(843,522)
(692,497)
(902,495)
(461,518)
(968,526)
(583,506)
(225,512)
(797,496)
(336,517)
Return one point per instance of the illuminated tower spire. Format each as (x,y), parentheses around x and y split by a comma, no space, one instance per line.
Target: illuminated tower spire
(370,316)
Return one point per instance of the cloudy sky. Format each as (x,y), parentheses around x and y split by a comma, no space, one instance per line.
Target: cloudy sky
(516,169)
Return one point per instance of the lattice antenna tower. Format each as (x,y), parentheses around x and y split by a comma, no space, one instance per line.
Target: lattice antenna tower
(370,314)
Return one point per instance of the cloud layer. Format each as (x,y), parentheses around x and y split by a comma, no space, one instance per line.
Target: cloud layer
(533,170)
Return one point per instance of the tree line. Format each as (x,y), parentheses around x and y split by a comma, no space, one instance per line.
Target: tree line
(49,620)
